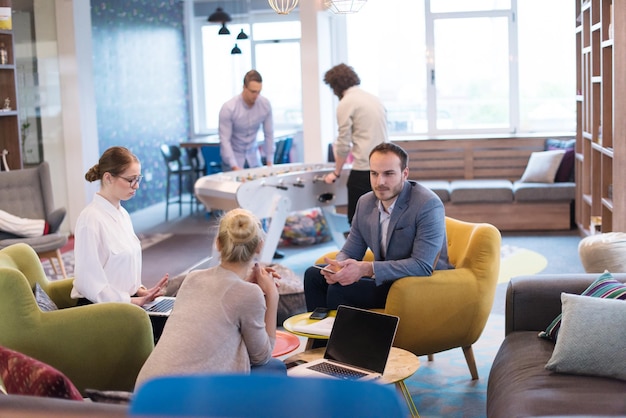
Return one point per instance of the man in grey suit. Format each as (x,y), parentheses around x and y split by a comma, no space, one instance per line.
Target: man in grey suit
(401,221)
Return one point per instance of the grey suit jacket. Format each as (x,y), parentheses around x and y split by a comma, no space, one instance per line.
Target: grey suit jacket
(416,239)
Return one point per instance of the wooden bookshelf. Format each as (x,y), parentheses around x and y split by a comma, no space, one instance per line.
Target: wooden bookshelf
(9,119)
(601,132)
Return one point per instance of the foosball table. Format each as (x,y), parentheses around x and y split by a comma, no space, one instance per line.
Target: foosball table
(273,192)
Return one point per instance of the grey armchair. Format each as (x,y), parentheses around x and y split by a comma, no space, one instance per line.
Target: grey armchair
(28,193)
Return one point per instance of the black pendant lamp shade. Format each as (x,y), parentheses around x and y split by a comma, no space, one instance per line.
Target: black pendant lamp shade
(242,35)
(235,50)
(219,16)
(224,30)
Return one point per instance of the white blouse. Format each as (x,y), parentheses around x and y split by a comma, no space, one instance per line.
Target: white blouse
(107,254)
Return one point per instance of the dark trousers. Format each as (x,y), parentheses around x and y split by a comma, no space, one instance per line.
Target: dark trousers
(362,294)
(358,184)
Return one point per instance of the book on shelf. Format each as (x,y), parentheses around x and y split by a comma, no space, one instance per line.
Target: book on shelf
(6,22)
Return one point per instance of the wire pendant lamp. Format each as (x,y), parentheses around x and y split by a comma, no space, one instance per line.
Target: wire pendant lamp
(283,7)
(344,6)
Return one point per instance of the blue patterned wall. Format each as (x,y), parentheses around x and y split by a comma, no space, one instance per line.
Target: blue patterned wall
(140,76)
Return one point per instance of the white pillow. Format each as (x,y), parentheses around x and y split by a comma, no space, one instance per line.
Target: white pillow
(592,339)
(542,166)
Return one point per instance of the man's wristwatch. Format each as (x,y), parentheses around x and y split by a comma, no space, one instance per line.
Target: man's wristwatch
(336,175)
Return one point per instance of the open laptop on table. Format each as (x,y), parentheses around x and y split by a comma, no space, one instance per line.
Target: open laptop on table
(160,306)
(357,349)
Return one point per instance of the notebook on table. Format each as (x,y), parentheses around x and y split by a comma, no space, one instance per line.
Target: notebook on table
(357,349)
(161,306)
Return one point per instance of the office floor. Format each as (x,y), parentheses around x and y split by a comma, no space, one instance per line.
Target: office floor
(151,220)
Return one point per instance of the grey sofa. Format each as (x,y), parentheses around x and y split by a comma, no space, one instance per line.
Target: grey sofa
(519,385)
(509,205)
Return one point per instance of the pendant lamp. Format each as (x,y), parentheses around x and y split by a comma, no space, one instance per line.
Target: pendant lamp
(283,7)
(242,35)
(219,16)
(344,6)
(235,50)
(223,30)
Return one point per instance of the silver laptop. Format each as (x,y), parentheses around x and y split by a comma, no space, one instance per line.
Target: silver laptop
(161,306)
(357,349)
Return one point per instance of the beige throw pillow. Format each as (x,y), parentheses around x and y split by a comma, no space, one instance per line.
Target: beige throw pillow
(542,166)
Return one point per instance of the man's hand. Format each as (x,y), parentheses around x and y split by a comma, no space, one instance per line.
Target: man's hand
(346,271)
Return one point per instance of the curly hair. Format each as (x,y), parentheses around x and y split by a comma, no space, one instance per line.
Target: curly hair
(340,78)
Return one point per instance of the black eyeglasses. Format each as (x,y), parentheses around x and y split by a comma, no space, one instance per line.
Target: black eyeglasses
(132,182)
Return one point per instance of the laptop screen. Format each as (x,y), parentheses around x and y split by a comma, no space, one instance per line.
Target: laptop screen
(361,338)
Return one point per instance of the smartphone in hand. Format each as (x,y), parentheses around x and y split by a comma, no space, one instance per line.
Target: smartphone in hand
(325,268)
(319,313)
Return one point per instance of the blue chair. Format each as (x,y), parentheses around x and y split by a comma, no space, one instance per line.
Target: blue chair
(261,396)
(283,150)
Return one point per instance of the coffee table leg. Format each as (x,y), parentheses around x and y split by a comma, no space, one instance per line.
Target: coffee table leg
(407,397)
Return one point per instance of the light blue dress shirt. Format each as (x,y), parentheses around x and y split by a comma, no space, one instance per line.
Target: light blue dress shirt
(238,129)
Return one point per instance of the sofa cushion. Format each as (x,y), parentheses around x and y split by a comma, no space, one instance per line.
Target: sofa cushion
(592,337)
(604,287)
(24,375)
(480,190)
(542,166)
(542,192)
(440,187)
(565,173)
(43,300)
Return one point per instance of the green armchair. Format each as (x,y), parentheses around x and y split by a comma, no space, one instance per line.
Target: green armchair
(101,346)
(450,308)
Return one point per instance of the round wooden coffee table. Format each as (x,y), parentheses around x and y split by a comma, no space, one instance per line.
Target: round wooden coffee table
(401,365)
(303,319)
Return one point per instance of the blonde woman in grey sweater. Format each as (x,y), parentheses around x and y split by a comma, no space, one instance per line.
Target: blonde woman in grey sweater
(224,318)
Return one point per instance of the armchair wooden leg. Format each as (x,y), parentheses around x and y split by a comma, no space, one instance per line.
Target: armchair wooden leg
(471,361)
(51,255)
(431,357)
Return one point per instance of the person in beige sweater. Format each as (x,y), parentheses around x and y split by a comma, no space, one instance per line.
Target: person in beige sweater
(224,318)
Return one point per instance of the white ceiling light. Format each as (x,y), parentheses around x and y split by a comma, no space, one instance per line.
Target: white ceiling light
(283,7)
(344,6)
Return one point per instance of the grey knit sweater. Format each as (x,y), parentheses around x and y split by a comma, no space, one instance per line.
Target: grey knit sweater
(217,326)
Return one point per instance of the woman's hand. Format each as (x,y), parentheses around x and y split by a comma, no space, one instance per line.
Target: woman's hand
(145,295)
(264,277)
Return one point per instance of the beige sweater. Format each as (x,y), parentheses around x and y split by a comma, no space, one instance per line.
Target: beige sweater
(217,326)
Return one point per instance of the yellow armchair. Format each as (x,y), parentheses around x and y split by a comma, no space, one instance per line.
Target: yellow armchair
(101,346)
(450,308)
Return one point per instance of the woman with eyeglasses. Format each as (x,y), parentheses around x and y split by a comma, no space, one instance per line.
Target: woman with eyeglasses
(107,252)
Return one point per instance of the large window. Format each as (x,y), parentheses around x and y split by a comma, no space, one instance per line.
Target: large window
(439,66)
(453,66)
(272,48)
